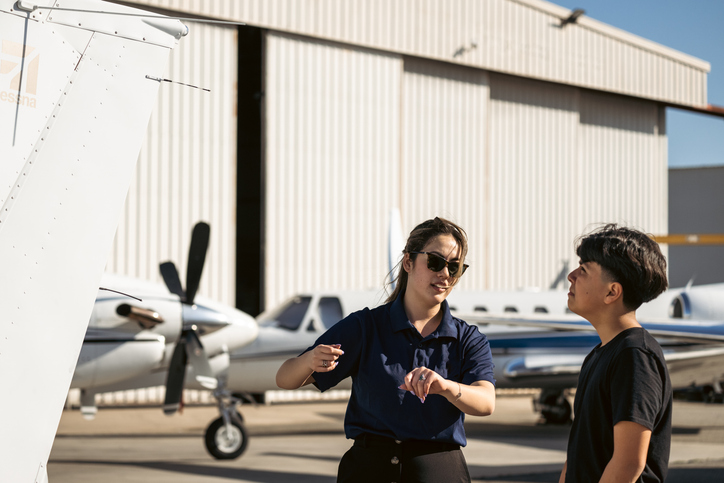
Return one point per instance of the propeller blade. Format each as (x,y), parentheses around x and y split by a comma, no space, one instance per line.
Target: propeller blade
(197,257)
(199,361)
(172,280)
(175,379)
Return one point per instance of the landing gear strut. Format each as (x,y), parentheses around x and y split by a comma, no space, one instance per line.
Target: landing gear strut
(226,437)
(554,407)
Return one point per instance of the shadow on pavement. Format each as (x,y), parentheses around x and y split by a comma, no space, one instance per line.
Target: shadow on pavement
(334,459)
(265,476)
(542,436)
(676,475)
(535,473)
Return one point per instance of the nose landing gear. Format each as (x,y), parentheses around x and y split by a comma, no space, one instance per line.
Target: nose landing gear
(226,437)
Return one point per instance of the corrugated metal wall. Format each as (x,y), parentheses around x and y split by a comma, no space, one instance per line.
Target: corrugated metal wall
(352,132)
(187,168)
(525,166)
(332,148)
(563,160)
(521,37)
(622,162)
(533,140)
(444,153)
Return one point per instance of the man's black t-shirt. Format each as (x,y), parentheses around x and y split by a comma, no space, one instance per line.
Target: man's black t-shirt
(624,380)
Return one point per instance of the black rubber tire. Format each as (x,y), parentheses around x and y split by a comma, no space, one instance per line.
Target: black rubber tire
(226,449)
(561,414)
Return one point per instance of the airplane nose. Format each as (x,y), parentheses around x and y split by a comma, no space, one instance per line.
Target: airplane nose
(233,328)
(245,330)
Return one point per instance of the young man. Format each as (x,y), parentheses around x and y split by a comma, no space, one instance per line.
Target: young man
(622,426)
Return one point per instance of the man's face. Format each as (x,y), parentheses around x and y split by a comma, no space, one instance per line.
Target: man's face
(589,287)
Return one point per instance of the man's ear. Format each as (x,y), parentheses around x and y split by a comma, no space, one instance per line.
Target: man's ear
(615,292)
(406,263)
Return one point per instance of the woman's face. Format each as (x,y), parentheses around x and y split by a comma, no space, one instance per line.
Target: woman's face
(425,286)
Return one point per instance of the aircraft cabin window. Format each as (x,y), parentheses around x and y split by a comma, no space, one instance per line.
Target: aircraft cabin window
(541,310)
(510,308)
(481,309)
(293,313)
(330,311)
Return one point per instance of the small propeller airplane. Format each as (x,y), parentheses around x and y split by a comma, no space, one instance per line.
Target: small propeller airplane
(76,93)
(172,338)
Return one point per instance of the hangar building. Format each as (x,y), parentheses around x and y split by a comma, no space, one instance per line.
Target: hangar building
(696,207)
(321,116)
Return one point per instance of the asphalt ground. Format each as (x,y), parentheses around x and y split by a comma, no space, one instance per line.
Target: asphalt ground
(303,442)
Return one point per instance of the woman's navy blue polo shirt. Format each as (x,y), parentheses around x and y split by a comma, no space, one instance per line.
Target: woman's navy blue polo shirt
(380,347)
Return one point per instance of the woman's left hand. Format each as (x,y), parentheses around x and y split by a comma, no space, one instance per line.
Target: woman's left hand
(422,381)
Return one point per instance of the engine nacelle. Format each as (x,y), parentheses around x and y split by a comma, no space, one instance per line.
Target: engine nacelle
(111,360)
(698,303)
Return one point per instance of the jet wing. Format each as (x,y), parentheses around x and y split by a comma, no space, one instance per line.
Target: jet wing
(687,366)
(689,330)
(532,351)
(76,91)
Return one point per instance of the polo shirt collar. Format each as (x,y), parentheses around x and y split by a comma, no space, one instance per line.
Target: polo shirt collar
(399,320)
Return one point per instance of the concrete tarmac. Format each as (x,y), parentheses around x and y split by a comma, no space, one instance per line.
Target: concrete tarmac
(303,442)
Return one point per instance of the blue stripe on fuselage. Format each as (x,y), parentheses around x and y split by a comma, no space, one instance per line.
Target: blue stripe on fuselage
(543,341)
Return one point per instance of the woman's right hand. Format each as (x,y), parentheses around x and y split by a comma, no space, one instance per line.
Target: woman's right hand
(299,371)
(324,357)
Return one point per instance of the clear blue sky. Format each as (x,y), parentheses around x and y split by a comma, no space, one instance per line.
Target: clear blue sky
(695,27)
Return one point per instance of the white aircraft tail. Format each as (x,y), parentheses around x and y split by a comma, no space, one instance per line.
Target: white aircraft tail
(395,243)
(76,92)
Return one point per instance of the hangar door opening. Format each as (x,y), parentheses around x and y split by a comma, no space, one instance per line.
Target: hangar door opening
(249,172)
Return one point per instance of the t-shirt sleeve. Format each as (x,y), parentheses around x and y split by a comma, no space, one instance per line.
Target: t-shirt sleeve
(347,333)
(477,364)
(636,388)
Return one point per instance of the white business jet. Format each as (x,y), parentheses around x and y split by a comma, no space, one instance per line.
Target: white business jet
(76,91)
(533,342)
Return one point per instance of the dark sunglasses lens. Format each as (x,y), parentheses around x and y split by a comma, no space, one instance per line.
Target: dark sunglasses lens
(454,268)
(435,263)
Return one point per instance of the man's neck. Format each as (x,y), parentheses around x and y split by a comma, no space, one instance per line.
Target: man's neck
(609,325)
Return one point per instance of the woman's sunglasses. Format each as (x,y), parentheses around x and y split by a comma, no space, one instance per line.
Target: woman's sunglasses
(436,263)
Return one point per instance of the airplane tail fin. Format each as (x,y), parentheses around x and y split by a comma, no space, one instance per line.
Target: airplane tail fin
(395,244)
(76,94)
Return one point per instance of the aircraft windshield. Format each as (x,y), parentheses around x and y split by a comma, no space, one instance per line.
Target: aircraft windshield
(290,315)
(330,311)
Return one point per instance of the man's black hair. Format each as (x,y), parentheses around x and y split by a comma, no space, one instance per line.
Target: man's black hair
(630,258)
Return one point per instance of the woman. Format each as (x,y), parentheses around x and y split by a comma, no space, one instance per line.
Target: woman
(416,370)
